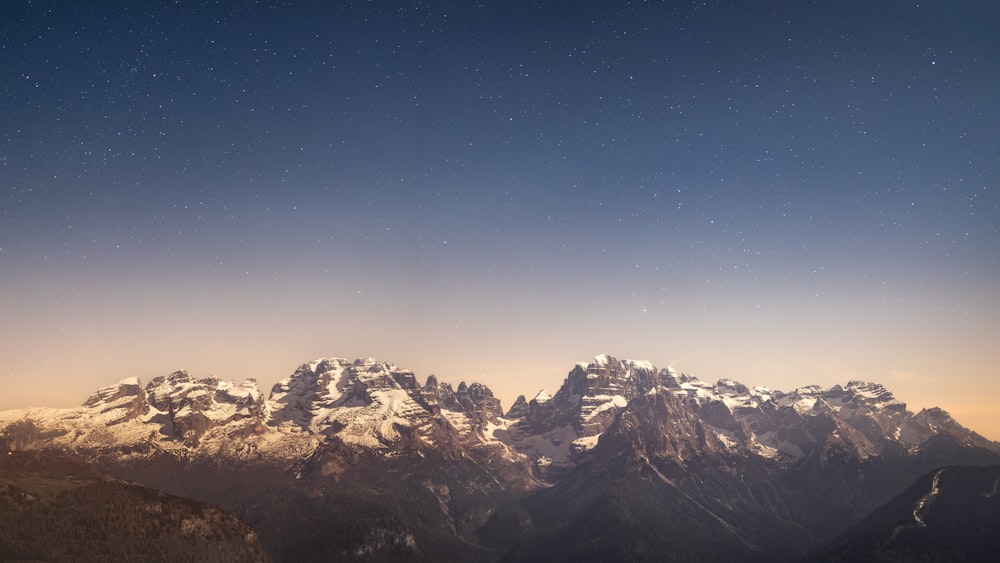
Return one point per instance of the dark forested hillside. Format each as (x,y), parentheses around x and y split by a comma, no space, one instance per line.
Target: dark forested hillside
(58,508)
(950,514)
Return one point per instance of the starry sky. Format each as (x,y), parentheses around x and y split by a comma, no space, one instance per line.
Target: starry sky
(784,193)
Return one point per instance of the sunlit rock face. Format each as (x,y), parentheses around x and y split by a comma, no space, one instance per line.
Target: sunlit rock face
(127,399)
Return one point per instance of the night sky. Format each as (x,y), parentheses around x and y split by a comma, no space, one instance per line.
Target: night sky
(784,193)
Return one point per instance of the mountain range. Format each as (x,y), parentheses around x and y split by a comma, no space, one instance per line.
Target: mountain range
(357,460)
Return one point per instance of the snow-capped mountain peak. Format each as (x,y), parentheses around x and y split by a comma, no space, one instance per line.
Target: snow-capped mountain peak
(196,405)
(542,397)
(118,403)
(334,395)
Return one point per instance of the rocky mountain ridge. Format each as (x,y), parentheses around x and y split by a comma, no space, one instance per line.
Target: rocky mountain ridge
(440,470)
(374,405)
